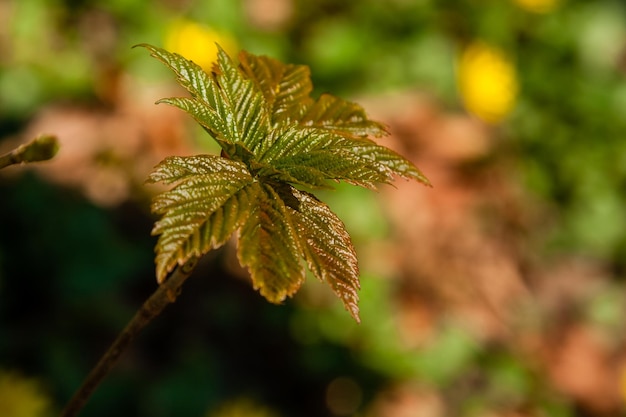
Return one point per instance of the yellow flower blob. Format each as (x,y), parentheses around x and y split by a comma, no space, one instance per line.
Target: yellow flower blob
(197,42)
(22,397)
(487,81)
(537,6)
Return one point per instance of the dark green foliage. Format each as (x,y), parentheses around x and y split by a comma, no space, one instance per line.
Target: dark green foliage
(274,138)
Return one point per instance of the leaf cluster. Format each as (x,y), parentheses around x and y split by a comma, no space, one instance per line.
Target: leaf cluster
(277,142)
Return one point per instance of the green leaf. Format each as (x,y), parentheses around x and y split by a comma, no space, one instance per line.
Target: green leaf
(274,137)
(342,117)
(315,168)
(221,224)
(286,88)
(207,117)
(226,103)
(313,156)
(189,74)
(242,104)
(268,246)
(384,158)
(327,248)
(210,200)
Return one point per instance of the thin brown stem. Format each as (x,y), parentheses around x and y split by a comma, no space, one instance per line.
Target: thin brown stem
(165,294)
(7,159)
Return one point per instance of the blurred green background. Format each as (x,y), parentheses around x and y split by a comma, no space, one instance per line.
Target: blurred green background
(499,292)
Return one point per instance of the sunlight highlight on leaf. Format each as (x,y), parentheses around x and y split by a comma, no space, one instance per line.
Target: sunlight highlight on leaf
(286,88)
(340,116)
(268,246)
(327,248)
(211,200)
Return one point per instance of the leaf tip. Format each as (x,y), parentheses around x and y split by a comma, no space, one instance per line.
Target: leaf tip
(161,273)
(151,48)
(422,179)
(354,312)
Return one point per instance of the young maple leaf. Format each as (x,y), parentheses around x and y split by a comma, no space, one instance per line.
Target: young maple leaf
(276,141)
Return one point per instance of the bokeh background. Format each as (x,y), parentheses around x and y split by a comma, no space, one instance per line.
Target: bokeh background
(500,292)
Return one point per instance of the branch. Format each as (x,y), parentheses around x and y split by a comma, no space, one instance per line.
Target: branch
(165,294)
(41,148)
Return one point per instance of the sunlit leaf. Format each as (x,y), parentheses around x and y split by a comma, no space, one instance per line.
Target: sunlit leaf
(226,103)
(312,156)
(190,75)
(268,246)
(221,224)
(286,87)
(242,104)
(332,113)
(274,138)
(206,116)
(209,202)
(327,248)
